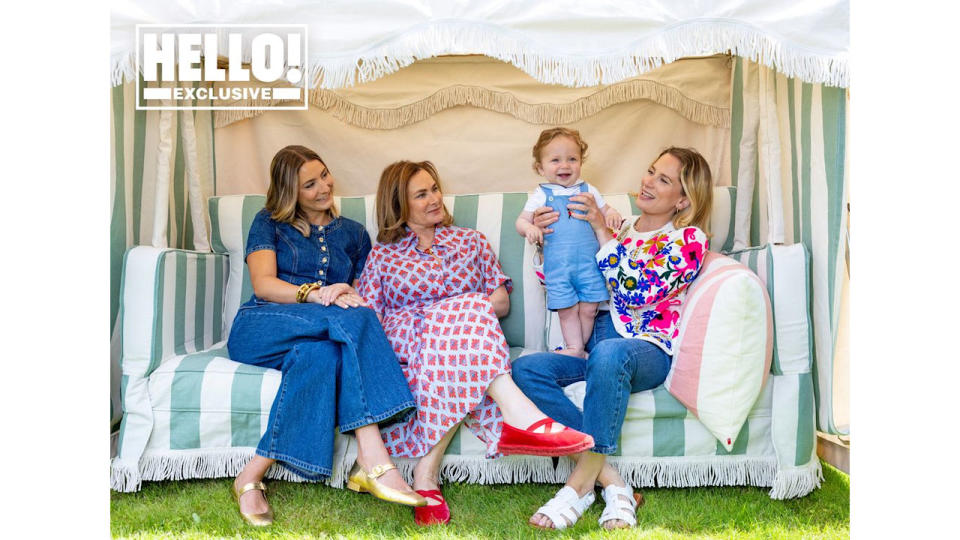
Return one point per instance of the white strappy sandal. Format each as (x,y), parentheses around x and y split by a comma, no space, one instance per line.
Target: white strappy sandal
(566,507)
(622,504)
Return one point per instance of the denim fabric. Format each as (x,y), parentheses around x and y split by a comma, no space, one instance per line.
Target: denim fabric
(569,264)
(617,367)
(334,253)
(338,370)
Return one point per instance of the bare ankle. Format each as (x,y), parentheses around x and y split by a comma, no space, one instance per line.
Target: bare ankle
(570,351)
(426,473)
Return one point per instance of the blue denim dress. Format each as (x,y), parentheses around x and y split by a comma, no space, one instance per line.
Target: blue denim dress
(569,263)
(338,371)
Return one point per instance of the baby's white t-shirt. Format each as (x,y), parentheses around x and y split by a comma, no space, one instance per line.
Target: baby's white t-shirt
(537,198)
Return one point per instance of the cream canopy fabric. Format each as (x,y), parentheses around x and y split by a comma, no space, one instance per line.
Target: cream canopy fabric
(569,42)
(696,88)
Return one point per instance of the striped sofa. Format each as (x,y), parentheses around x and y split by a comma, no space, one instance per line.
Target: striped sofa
(191,412)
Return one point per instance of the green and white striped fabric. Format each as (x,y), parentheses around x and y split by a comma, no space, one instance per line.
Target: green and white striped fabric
(190,412)
(785,271)
(788,159)
(134,151)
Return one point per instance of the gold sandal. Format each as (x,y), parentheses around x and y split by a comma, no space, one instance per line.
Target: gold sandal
(257,520)
(366,482)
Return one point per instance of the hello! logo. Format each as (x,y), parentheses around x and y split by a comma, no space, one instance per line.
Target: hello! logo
(221,67)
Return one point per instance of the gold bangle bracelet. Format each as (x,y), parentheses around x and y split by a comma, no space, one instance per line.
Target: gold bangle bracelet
(301,293)
(305,290)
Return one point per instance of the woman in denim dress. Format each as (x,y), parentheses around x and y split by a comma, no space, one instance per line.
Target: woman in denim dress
(306,320)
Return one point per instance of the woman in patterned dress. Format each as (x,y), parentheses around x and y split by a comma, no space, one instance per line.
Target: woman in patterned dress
(439,291)
(648,267)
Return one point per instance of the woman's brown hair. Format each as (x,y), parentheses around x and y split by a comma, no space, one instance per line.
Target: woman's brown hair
(284,187)
(393,208)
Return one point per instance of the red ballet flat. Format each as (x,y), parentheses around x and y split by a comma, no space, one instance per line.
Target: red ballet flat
(525,441)
(438,514)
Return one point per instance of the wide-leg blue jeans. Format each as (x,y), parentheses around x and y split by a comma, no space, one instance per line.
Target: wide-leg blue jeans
(617,367)
(338,370)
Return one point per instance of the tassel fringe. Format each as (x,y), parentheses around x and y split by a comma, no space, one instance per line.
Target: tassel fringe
(797,481)
(502,102)
(455,37)
(669,472)
(697,471)
(124,477)
(189,464)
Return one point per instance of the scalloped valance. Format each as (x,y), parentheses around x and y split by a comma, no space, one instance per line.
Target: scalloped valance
(696,88)
(567,42)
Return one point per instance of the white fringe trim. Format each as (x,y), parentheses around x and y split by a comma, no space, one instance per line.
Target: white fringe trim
(639,472)
(696,471)
(124,477)
(502,102)
(696,38)
(795,482)
(756,471)
(189,464)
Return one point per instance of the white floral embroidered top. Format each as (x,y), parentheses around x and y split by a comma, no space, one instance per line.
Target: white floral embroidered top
(648,274)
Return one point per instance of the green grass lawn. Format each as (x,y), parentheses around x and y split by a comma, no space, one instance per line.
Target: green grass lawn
(205,509)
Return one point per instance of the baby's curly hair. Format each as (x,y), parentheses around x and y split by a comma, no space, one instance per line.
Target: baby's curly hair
(548,135)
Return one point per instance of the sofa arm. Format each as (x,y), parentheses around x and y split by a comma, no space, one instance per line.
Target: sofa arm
(171,303)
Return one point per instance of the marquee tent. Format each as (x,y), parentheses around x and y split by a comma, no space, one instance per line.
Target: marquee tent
(759,86)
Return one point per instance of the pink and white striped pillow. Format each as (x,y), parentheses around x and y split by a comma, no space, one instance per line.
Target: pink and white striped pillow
(724,347)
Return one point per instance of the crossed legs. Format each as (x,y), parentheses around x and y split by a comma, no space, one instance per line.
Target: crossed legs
(517,410)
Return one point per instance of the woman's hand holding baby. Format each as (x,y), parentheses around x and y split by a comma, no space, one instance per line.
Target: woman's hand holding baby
(545,216)
(584,202)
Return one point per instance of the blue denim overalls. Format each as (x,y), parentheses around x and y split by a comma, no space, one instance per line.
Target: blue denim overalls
(569,253)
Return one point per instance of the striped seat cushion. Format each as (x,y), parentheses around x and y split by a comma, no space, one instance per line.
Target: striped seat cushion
(785,271)
(657,425)
(210,401)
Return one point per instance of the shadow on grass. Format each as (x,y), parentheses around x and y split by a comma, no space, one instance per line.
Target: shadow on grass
(205,509)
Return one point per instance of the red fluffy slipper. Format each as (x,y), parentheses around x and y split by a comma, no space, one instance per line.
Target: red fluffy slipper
(561,443)
(438,514)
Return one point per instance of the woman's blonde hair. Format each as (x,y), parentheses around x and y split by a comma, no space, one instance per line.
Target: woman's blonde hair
(284,187)
(697,184)
(548,135)
(393,208)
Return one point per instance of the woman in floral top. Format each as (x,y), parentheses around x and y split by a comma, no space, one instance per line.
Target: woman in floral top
(648,267)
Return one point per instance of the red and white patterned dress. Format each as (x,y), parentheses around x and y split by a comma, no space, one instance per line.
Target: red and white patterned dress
(439,319)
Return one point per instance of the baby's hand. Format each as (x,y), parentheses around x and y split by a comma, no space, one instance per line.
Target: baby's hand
(534,235)
(612,219)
